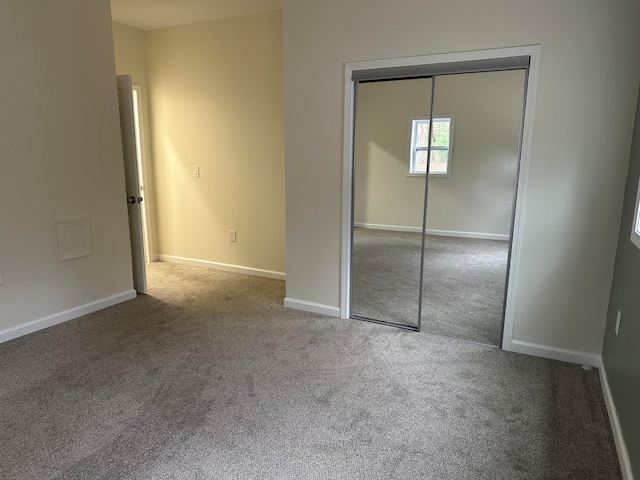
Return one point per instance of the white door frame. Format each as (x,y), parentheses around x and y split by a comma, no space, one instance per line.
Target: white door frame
(143,173)
(533,51)
(130,164)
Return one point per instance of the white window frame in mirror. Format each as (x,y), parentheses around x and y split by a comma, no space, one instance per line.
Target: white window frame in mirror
(412,145)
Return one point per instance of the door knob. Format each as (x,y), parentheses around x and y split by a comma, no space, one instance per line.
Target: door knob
(131,199)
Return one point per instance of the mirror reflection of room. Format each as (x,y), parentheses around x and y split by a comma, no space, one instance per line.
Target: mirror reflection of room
(470,201)
(388,202)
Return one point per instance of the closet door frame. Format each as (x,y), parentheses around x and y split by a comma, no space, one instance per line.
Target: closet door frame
(474,60)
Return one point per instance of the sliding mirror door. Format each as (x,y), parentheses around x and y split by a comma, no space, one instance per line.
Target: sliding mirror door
(471,198)
(388,201)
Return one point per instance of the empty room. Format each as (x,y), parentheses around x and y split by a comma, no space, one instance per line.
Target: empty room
(380,239)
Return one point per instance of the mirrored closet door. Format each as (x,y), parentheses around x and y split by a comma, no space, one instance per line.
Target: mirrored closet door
(431,249)
(388,202)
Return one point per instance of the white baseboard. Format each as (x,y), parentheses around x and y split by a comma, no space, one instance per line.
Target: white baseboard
(584,358)
(256,272)
(49,321)
(479,235)
(431,231)
(312,307)
(562,354)
(621,447)
(392,228)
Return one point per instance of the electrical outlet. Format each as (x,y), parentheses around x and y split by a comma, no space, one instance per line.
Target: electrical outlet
(618,317)
(196,171)
(232,235)
(1,277)
(509,205)
(362,197)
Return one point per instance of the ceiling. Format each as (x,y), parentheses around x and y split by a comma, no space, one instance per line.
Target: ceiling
(150,14)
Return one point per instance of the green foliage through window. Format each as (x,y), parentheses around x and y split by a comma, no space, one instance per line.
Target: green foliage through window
(440,146)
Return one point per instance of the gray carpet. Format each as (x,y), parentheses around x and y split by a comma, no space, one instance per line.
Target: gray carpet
(385,275)
(209,376)
(463,283)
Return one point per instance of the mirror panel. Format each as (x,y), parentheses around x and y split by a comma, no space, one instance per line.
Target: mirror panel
(470,208)
(388,202)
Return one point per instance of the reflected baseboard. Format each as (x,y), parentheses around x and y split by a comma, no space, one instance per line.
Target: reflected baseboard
(392,228)
(430,231)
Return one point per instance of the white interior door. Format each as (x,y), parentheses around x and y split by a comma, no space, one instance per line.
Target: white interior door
(133,198)
(142,171)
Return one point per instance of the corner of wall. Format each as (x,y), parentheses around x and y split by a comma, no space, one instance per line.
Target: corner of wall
(621,447)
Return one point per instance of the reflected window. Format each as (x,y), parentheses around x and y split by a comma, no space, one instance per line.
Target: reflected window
(440,146)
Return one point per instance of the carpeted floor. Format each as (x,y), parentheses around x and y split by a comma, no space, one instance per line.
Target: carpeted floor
(463,283)
(210,377)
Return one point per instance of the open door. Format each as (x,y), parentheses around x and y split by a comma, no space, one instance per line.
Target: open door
(133,199)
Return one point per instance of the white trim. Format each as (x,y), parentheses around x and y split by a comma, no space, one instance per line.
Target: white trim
(621,446)
(480,235)
(312,307)
(506,52)
(533,51)
(412,147)
(144,174)
(519,205)
(392,228)
(554,353)
(83,247)
(347,194)
(227,267)
(431,231)
(55,319)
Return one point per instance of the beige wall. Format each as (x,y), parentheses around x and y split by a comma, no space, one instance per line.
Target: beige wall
(384,194)
(130,55)
(488,116)
(217,102)
(129,47)
(60,156)
(487,111)
(589,72)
